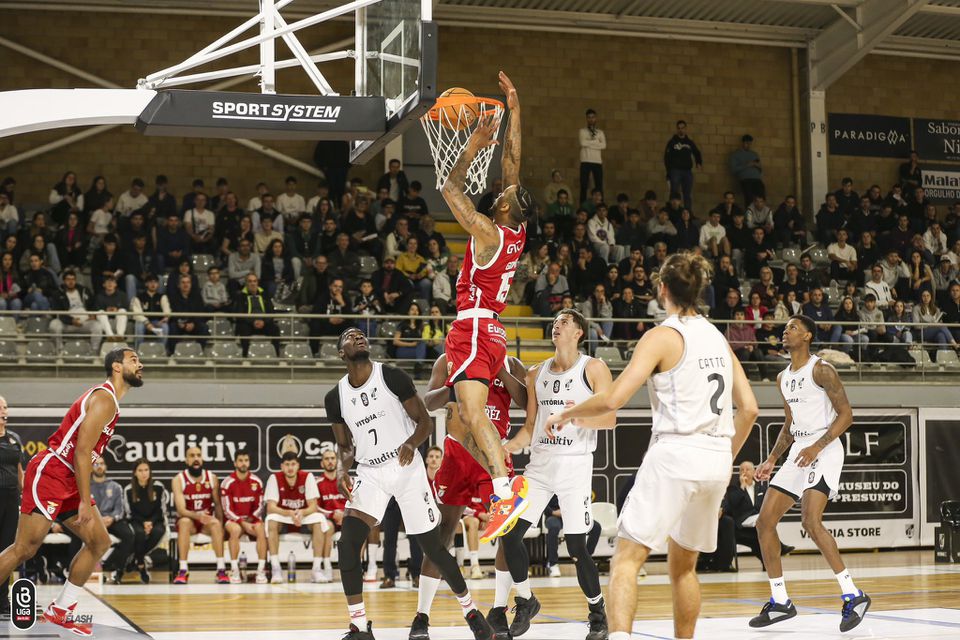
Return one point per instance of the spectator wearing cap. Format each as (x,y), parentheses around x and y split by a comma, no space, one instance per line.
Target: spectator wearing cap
(745,167)
(302,242)
(150,301)
(592,143)
(679,158)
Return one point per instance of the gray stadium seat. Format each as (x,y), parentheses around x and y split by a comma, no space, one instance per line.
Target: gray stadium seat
(41,349)
(201,262)
(293,328)
(329,351)
(387,329)
(948,358)
(188,350)
(221,327)
(819,256)
(8,326)
(37,324)
(77,349)
(107,347)
(790,255)
(297,351)
(8,349)
(368,264)
(224,349)
(378,352)
(745,292)
(610,355)
(921,357)
(424,305)
(261,351)
(153,350)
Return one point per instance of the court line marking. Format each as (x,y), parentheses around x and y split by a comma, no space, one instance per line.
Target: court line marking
(878,616)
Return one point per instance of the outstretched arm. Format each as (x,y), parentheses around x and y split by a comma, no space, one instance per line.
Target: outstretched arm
(438,394)
(829,380)
(524,436)
(479,226)
(511,140)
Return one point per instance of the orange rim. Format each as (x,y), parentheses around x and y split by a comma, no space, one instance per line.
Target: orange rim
(487,105)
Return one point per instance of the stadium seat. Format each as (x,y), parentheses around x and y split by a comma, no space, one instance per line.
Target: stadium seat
(424,305)
(188,350)
(8,326)
(261,351)
(201,262)
(224,349)
(296,351)
(221,327)
(948,358)
(921,357)
(605,514)
(378,351)
(41,349)
(153,350)
(790,255)
(107,347)
(610,355)
(292,328)
(8,349)
(77,349)
(745,292)
(819,256)
(329,351)
(37,324)
(368,264)
(387,329)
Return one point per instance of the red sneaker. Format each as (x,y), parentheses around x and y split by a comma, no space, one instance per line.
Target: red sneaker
(65,618)
(222,577)
(182,577)
(504,512)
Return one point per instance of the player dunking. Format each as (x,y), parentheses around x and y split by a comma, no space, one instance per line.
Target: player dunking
(695,380)
(477,343)
(561,466)
(461,479)
(379,421)
(56,485)
(817,412)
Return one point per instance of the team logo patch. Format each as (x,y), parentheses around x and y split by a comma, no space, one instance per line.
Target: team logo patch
(354,401)
(373,394)
(545,383)
(568,384)
(811,476)
(302,489)
(556,386)
(52,506)
(364,399)
(253,486)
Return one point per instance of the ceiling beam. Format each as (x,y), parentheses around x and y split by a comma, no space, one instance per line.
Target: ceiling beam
(842,45)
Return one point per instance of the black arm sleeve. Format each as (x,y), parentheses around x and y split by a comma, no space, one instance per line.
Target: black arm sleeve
(399,382)
(332,404)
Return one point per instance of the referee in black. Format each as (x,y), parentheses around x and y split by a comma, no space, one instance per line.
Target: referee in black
(12,461)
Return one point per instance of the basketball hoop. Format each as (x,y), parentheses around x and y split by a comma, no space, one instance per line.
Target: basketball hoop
(448,126)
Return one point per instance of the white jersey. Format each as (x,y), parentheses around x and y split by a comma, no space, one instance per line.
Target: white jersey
(376,418)
(811,408)
(554,390)
(696,396)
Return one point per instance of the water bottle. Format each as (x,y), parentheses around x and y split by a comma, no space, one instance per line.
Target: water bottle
(242,561)
(291,567)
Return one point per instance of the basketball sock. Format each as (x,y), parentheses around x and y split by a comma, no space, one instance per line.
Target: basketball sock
(523,589)
(327,565)
(846,583)
(778,589)
(426,593)
(474,558)
(466,603)
(502,591)
(183,565)
(317,564)
(261,564)
(619,635)
(501,487)
(275,565)
(595,599)
(234,565)
(358,615)
(372,550)
(458,554)
(68,595)
(220,564)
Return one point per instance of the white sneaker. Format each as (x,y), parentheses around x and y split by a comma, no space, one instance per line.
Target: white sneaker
(319,577)
(235,577)
(370,577)
(277,577)
(554,571)
(329,574)
(476,573)
(262,577)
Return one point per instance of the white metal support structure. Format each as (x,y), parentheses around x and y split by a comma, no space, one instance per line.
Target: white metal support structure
(830,55)
(268,70)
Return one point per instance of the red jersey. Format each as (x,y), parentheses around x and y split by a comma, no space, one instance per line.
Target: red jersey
(498,407)
(198,492)
(487,287)
(63,442)
(242,499)
(330,499)
(303,490)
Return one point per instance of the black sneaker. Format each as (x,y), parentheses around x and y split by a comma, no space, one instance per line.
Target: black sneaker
(854,608)
(116,577)
(497,619)
(524,611)
(773,613)
(4,611)
(597,621)
(356,634)
(144,574)
(419,629)
(479,625)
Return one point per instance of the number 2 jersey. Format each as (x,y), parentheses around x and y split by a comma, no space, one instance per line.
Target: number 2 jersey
(374,413)
(695,397)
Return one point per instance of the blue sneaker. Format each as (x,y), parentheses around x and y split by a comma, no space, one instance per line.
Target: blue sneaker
(854,609)
(773,613)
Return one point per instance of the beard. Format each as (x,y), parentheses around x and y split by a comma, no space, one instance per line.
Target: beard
(195,471)
(132,379)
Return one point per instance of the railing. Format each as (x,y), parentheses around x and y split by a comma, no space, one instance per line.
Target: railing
(31,344)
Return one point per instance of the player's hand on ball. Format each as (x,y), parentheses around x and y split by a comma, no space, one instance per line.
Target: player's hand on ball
(345,485)
(405,453)
(506,85)
(484,135)
(807,455)
(764,471)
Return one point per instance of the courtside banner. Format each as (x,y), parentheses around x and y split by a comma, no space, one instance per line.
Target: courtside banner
(227,114)
(941,183)
(937,139)
(854,134)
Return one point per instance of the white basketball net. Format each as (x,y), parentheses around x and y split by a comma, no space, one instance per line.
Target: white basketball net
(447,141)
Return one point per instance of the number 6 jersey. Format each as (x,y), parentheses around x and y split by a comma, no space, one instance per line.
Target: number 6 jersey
(695,397)
(374,413)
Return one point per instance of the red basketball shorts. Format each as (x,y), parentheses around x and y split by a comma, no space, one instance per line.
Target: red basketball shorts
(476,349)
(460,478)
(50,487)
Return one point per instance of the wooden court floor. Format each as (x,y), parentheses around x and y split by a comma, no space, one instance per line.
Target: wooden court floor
(895,580)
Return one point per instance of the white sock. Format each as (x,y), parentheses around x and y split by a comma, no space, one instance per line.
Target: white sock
(358,615)
(501,487)
(68,595)
(327,565)
(183,565)
(619,635)
(317,564)
(502,591)
(234,565)
(260,565)
(474,558)
(466,603)
(595,599)
(372,551)
(846,583)
(426,593)
(778,589)
(220,564)
(523,589)
(458,554)
(275,565)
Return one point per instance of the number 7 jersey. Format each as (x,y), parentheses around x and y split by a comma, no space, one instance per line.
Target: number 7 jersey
(696,396)
(487,286)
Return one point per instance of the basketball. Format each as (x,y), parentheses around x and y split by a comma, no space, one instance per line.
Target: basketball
(459,116)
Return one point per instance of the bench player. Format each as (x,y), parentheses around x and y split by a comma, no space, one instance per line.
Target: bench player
(461,479)
(694,383)
(196,497)
(331,504)
(379,421)
(561,466)
(56,484)
(291,497)
(242,496)
(476,344)
(817,412)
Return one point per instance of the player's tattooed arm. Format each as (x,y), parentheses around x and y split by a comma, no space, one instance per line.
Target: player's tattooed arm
(479,226)
(829,380)
(511,141)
